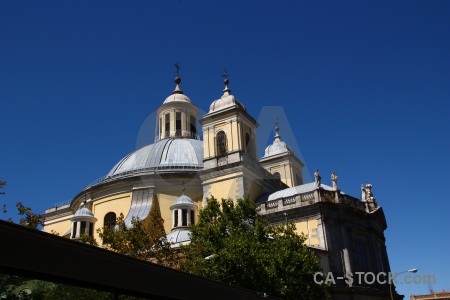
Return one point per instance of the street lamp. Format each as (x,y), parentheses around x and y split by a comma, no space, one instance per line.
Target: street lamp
(210,256)
(390,280)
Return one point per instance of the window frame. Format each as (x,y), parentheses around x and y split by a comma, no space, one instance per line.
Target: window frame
(221,144)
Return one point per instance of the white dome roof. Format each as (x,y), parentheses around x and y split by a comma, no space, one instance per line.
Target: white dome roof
(179,235)
(227,100)
(183,200)
(84,212)
(277,147)
(177,94)
(168,155)
(177,98)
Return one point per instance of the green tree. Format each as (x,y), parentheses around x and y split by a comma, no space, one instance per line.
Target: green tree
(231,243)
(29,219)
(144,239)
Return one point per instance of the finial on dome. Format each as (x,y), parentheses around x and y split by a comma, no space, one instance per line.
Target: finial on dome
(225,75)
(277,136)
(177,81)
(184,188)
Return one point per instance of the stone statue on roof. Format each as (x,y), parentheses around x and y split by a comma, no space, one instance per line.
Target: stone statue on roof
(318,178)
(334,178)
(366,193)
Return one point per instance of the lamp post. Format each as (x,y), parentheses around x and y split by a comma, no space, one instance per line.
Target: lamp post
(390,280)
(210,256)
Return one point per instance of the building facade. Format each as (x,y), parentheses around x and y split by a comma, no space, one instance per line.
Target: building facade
(180,171)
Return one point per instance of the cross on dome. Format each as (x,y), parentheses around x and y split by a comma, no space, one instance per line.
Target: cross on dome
(225,75)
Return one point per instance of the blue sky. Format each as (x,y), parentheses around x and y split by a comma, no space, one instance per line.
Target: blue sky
(362,88)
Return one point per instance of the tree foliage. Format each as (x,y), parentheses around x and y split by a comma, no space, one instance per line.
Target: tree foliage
(2,184)
(15,287)
(144,239)
(29,219)
(231,243)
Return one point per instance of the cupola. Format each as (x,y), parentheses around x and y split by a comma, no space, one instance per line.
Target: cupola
(183,217)
(281,162)
(83,222)
(177,116)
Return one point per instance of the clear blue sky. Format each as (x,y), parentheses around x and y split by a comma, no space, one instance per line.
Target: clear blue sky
(364,85)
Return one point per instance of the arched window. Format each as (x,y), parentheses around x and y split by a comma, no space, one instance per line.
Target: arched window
(83,228)
(248,143)
(193,127)
(247,139)
(74,229)
(298,180)
(109,220)
(167,125)
(277,176)
(184,213)
(221,144)
(178,124)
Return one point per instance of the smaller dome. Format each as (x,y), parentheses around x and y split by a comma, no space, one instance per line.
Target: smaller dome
(177,94)
(276,148)
(179,236)
(183,200)
(84,212)
(227,100)
(177,98)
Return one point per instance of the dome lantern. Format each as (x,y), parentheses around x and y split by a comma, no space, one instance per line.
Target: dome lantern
(83,222)
(177,116)
(183,217)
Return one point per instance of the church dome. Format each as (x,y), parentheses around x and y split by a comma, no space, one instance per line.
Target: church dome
(227,100)
(167,155)
(177,94)
(277,147)
(84,212)
(183,200)
(179,236)
(177,98)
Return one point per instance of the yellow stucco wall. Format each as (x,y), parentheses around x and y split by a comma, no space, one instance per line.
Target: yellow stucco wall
(166,201)
(287,172)
(226,188)
(59,225)
(284,171)
(235,132)
(254,190)
(117,204)
(309,228)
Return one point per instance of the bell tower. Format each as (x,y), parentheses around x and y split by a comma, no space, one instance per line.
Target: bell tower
(229,132)
(177,116)
(230,165)
(280,161)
